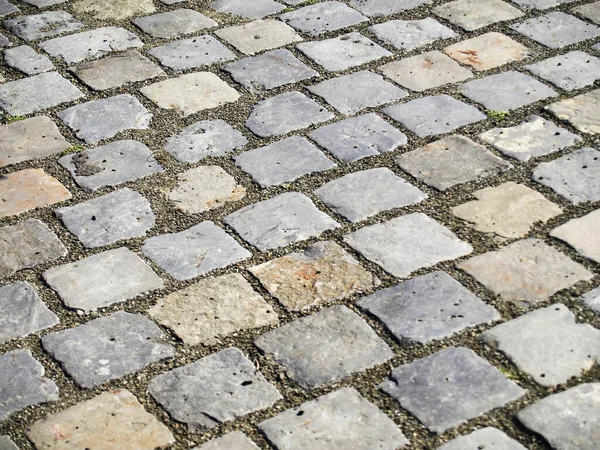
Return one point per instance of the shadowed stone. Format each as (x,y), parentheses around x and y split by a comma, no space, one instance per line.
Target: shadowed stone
(27,60)
(582,235)
(385,7)
(257,9)
(192,53)
(257,36)
(592,299)
(44,25)
(232,440)
(582,111)
(556,29)
(114,9)
(323,17)
(411,34)
(174,23)
(471,15)
(483,438)
(570,71)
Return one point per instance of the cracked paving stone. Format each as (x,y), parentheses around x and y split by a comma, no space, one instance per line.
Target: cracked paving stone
(359,195)
(471,15)
(556,29)
(203,139)
(195,251)
(573,70)
(325,347)
(448,388)
(22,312)
(376,8)
(257,9)
(320,18)
(352,93)
(582,111)
(191,93)
(283,161)
(27,244)
(7,8)
(340,419)
(568,420)
(525,272)
(192,53)
(44,25)
(483,438)
(113,420)
(114,9)
(232,440)
(270,70)
(5,442)
(108,348)
(590,11)
(102,279)
(592,299)
(428,307)
(547,344)
(582,235)
(510,210)
(534,137)
(213,308)
(407,243)
(284,113)
(193,394)
(438,114)
(343,52)
(101,119)
(257,36)
(279,221)
(411,34)
(575,176)
(322,273)
(23,383)
(174,23)
(27,60)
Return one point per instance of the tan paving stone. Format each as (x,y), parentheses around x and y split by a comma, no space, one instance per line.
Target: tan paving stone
(582,235)
(582,111)
(114,9)
(254,37)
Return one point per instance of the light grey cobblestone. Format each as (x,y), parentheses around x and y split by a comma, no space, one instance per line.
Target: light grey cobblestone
(592,299)
(255,10)
(233,440)
(7,8)
(7,444)
(260,35)
(43,25)
(411,34)
(323,17)
(483,438)
(192,53)
(557,29)
(581,235)
(27,60)
(572,70)
(174,23)
(377,8)
(471,15)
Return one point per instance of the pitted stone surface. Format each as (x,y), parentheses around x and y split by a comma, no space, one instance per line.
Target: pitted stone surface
(582,111)
(27,60)
(43,25)
(102,279)
(450,387)
(582,235)
(325,347)
(193,394)
(284,219)
(341,419)
(257,9)
(592,299)
(411,34)
(323,17)
(573,70)
(232,440)
(192,53)
(174,23)
(114,9)
(483,438)
(6,443)
(471,15)
(260,35)
(556,29)
(7,8)
(428,307)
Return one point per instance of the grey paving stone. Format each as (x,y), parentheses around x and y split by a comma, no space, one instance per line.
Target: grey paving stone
(7,8)
(101,119)
(385,7)
(43,25)
(323,17)
(581,234)
(575,176)
(27,244)
(530,139)
(43,3)
(6,443)
(23,383)
(411,34)
(590,11)
(174,23)
(28,95)
(192,53)
(284,113)
(341,419)
(325,347)
(193,394)
(203,139)
(102,279)
(450,387)
(580,111)
(27,60)
(556,29)
(4,42)
(570,71)
(438,114)
(569,420)
(471,15)
(407,243)
(114,9)
(270,70)
(284,219)
(195,251)
(108,348)
(260,35)
(257,9)
(283,161)
(22,312)
(542,4)
(592,299)
(343,52)
(483,438)
(359,195)
(428,307)
(92,44)
(232,440)
(352,93)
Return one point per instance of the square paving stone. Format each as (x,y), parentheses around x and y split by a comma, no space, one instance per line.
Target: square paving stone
(359,195)
(547,344)
(22,383)
(411,34)
(112,420)
(114,9)
(525,272)
(257,36)
(556,29)
(102,279)
(44,25)
(283,161)
(203,139)
(284,113)
(174,23)
(450,387)
(5,442)
(343,52)
(322,273)
(270,70)
(575,176)
(108,348)
(407,243)
(323,17)
(27,60)
(428,307)
(232,440)
(582,235)
(101,119)
(284,219)
(471,15)
(569,420)
(385,7)
(352,93)
(341,419)
(7,8)
(257,9)
(483,438)
(195,251)
(582,111)
(534,137)
(192,53)
(22,312)
(592,299)
(590,11)
(194,394)
(573,70)
(325,347)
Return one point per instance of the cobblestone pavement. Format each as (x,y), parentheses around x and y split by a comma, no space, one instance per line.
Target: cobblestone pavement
(351,224)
